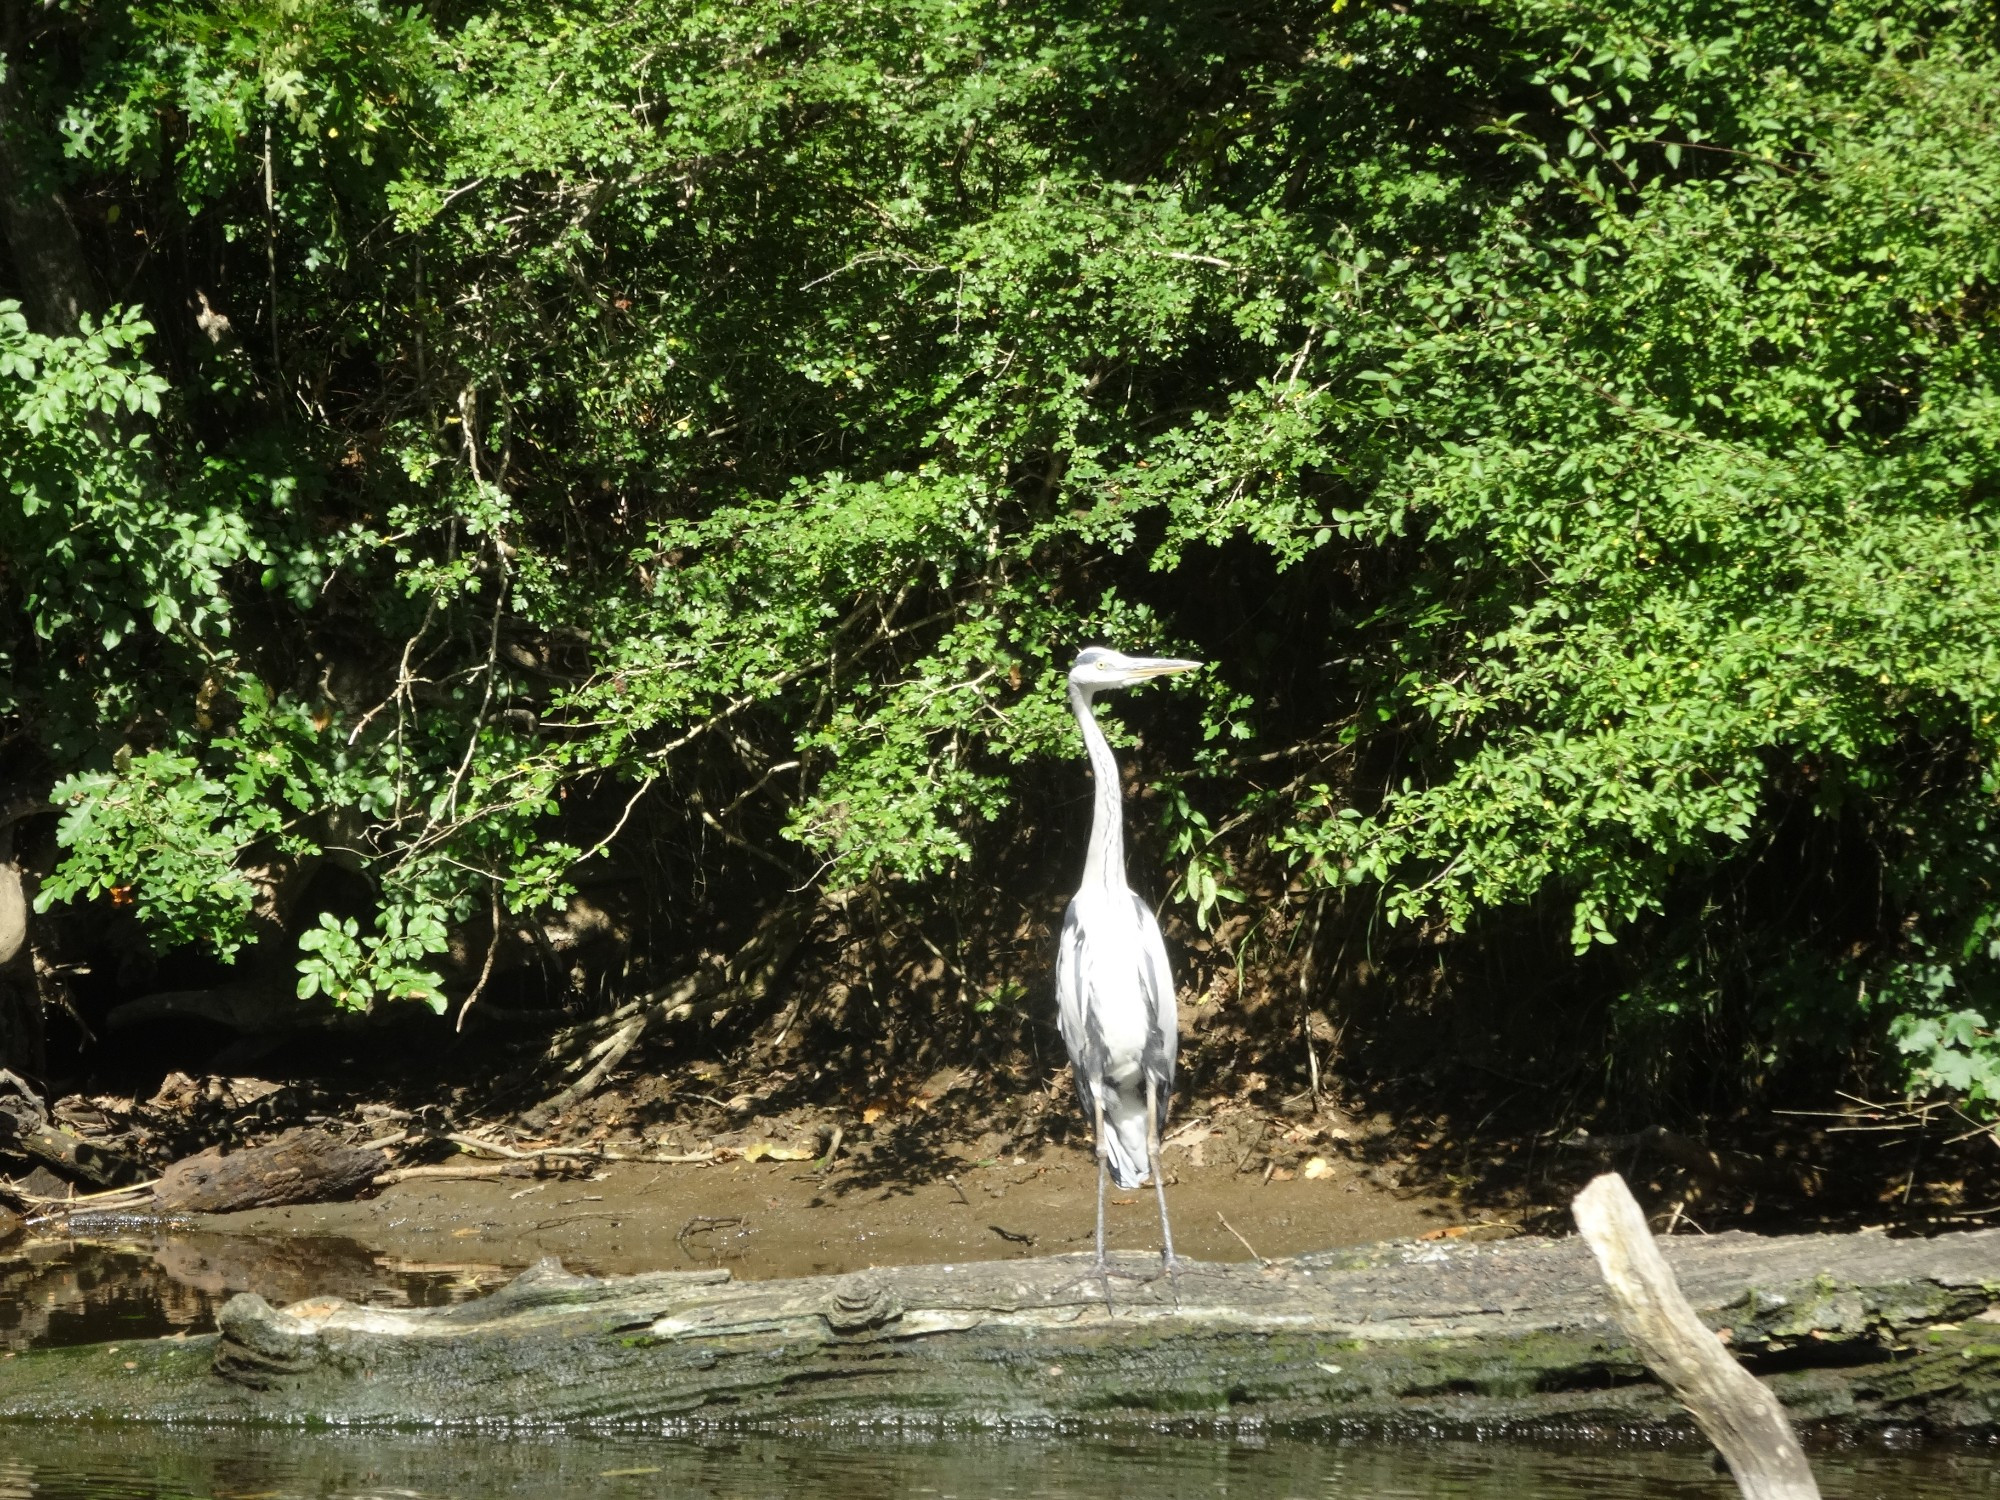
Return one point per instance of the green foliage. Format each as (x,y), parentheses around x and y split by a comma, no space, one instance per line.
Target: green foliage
(1574,434)
(1205,871)
(354,971)
(160,834)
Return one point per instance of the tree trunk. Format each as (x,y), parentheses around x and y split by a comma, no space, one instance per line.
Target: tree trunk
(1858,1329)
(23,1047)
(56,287)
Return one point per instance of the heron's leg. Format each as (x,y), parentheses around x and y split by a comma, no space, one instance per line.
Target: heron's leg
(1159,1177)
(1103,1167)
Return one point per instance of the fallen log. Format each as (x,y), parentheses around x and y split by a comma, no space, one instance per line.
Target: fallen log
(1857,1330)
(300,1166)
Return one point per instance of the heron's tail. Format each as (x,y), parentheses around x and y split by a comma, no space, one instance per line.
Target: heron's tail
(1125,1141)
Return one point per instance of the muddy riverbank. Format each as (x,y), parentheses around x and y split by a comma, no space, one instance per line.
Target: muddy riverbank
(426,1241)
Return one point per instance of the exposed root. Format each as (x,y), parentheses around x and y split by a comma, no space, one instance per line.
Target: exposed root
(707,993)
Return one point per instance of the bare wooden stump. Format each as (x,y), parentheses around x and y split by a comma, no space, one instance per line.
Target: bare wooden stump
(300,1166)
(1741,1417)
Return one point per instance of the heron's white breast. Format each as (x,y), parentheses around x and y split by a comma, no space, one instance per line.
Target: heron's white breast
(1114,958)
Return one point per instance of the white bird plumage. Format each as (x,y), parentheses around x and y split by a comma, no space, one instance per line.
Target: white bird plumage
(1114,988)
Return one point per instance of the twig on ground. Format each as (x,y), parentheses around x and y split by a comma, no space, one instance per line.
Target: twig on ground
(1255,1141)
(468,1171)
(704,1224)
(589,1213)
(98,1201)
(1239,1239)
(579,1153)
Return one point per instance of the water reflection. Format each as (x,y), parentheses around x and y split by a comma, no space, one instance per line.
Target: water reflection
(156,1464)
(147,1282)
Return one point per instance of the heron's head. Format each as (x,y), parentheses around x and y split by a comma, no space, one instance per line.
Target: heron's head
(1100,667)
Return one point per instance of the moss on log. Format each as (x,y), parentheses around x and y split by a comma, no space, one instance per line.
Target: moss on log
(1858,1330)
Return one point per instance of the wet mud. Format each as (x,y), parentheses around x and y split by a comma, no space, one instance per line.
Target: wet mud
(767,1219)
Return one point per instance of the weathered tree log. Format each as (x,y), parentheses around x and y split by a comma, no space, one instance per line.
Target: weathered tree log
(300,1166)
(1856,1329)
(1740,1416)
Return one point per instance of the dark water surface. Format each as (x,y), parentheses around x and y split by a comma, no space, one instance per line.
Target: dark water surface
(149,1281)
(165,1464)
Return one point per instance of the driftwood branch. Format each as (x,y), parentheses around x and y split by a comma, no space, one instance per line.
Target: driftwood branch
(1741,1417)
(25,1128)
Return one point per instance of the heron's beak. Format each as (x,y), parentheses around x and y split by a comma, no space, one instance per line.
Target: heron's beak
(1162,666)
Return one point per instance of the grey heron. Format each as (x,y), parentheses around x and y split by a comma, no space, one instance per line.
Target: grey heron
(1114,991)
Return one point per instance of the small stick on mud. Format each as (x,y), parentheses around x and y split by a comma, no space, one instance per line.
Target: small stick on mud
(448,1171)
(1251,1149)
(1741,1417)
(1239,1238)
(37,1209)
(588,1213)
(586,1153)
(832,1150)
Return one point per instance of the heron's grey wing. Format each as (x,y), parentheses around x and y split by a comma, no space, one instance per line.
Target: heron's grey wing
(1156,981)
(1072,998)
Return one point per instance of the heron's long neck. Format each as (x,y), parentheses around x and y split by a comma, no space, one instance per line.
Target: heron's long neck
(1104,864)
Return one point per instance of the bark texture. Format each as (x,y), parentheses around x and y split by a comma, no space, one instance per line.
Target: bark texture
(1860,1330)
(300,1166)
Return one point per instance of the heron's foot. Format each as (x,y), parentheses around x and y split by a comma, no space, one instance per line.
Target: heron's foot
(1103,1270)
(1169,1272)
(1103,1273)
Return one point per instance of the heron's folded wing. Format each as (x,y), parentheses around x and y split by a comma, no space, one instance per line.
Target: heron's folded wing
(1156,981)
(1070,985)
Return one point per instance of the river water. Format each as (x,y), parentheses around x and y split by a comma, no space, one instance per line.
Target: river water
(162,1464)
